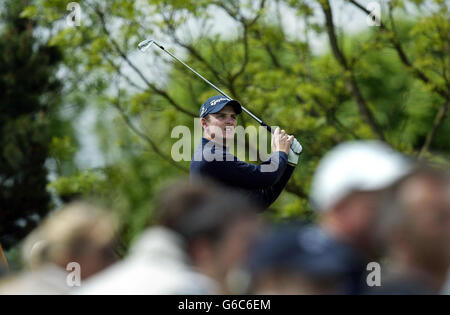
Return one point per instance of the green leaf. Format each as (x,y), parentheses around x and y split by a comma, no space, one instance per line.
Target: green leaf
(29,12)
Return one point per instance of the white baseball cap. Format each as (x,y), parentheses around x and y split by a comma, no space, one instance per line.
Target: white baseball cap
(355,166)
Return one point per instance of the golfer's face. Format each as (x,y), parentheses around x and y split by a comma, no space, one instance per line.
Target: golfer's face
(223,123)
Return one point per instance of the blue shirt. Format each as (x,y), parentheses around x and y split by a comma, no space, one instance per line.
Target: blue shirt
(263,183)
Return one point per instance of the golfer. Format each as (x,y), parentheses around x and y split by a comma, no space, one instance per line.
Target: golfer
(212,159)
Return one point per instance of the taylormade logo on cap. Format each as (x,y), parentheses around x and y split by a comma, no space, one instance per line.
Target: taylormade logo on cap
(216,103)
(218,100)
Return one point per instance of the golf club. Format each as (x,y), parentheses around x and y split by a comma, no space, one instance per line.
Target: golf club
(144,45)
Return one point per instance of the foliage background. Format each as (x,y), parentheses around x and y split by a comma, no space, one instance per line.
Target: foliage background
(389,83)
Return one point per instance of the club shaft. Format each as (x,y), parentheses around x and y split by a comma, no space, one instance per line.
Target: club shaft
(213,86)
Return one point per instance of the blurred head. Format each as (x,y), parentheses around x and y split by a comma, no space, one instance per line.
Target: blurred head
(346,187)
(80,233)
(218,225)
(414,220)
(297,260)
(292,282)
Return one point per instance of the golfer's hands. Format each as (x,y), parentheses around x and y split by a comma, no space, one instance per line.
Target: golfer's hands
(294,152)
(281,141)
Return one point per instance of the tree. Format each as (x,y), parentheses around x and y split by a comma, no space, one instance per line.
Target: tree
(388,83)
(28,98)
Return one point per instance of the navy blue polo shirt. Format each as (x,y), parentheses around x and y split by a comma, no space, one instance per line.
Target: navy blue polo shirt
(263,182)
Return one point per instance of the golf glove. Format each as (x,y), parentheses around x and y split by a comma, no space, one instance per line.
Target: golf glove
(294,152)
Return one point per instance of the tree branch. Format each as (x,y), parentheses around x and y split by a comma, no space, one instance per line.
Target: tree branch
(334,120)
(272,56)
(352,85)
(143,136)
(241,70)
(438,120)
(400,51)
(121,74)
(295,189)
(191,49)
(141,75)
(246,26)
(331,118)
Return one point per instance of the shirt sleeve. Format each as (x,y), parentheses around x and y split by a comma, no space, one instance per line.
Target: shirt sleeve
(239,174)
(267,196)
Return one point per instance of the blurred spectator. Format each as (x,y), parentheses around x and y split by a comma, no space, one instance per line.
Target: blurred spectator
(414,226)
(298,260)
(201,235)
(345,190)
(3,262)
(79,233)
(3,271)
(446,290)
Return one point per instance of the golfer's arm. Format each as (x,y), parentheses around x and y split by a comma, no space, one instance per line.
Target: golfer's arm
(248,176)
(269,195)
